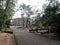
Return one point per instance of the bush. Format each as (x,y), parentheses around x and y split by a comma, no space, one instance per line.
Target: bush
(4,28)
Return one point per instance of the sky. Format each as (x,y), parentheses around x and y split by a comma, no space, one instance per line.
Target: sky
(35,3)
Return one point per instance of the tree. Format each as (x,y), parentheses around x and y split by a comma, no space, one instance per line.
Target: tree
(6,11)
(50,12)
(38,19)
(26,9)
(22,15)
(51,16)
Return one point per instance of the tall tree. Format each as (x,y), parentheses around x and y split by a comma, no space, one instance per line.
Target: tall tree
(26,9)
(50,12)
(51,16)
(6,10)
(22,15)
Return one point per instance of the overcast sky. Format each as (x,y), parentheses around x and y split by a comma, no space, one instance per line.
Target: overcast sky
(34,3)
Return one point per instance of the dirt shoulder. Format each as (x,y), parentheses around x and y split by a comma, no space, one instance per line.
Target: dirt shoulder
(7,39)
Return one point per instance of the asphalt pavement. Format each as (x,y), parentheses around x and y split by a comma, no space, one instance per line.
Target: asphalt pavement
(24,37)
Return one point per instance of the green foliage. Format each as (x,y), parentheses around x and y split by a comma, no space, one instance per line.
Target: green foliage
(6,11)
(4,28)
(51,16)
(50,12)
(37,20)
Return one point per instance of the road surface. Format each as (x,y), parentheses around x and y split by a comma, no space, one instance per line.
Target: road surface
(23,37)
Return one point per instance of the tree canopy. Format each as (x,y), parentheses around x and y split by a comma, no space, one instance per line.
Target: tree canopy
(6,11)
(51,16)
(26,9)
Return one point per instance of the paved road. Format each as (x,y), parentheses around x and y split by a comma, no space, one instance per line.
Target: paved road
(23,37)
